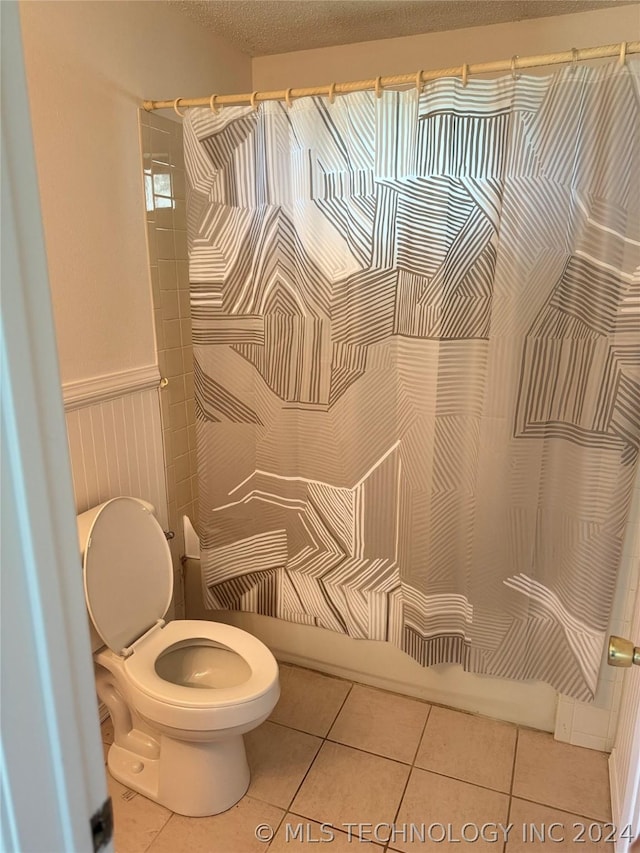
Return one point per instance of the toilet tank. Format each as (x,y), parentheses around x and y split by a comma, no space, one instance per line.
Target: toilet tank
(84,522)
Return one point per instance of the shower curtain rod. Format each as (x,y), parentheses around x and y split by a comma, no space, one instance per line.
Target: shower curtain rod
(418,78)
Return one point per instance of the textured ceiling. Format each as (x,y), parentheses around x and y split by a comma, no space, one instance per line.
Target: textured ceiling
(263,27)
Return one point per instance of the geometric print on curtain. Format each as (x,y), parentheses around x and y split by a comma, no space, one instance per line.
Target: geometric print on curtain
(416,327)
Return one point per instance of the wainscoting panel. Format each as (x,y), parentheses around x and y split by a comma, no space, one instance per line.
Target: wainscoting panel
(115,446)
(116,449)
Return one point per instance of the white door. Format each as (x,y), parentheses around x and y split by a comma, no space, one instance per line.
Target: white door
(52,782)
(624,763)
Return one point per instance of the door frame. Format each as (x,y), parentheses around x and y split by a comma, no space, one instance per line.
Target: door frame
(52,778)
(624,761)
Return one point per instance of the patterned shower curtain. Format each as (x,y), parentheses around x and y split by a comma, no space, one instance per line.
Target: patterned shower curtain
(416,328)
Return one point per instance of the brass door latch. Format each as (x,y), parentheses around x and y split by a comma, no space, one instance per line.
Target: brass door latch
(622,652)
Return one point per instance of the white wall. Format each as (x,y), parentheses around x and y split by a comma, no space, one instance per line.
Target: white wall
(367,60)
(89,65)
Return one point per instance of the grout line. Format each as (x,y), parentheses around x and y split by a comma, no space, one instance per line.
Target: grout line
(513,779)
(302,781)
(294,728)
(536,802)
(457,779)
(409,774)
(412,765)
(564,811)
(280,822)
(338,712)
(411,769)
(421,738)
(282,662)
(394,822)
(354,838)
(515,758)
(157,835)
(369,752)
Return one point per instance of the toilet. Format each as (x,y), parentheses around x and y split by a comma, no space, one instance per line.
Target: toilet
(180,694)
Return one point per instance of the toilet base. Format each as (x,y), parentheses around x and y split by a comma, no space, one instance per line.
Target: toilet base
(192,779)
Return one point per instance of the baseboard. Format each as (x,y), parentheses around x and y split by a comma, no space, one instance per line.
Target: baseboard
(87,392)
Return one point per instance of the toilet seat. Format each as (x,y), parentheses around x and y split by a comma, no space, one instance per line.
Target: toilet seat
(128,576)
(127,569)
(198,708)
(140,666)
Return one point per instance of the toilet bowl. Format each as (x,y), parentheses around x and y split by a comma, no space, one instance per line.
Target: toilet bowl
(180,694)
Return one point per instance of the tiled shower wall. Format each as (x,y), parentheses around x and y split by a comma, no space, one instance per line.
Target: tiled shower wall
(164,177)
(141,440)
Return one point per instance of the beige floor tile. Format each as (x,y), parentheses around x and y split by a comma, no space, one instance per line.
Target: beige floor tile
(474,749)
(278,757)
(309,701)
(563,776)
(233,831)
(345,785)
(384,723)
(298,833)
(432,802)
(572,834)
(137,820)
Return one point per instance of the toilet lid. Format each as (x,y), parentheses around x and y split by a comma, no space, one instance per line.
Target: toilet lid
(128,574)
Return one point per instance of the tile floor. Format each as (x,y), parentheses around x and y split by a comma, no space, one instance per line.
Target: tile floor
(397,769)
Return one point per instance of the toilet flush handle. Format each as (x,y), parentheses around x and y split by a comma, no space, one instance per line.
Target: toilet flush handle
(169,534)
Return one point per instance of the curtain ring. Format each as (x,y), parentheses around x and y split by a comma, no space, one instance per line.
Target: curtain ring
(514,76)
(252,100)
(212,104)
(332,93)
(465,74)
(175,107)
(378,87)
(623,53)
(287,97)
(419,82)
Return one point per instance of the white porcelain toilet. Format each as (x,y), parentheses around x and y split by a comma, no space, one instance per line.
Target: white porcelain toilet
(180,694)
